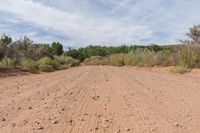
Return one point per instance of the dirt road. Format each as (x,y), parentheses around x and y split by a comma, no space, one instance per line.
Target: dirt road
(100,99)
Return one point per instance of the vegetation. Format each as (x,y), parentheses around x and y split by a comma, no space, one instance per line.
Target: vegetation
(179,69)
(87,52)
(182,57)
(26,55)
(30,65)
(6,63)
(38,57)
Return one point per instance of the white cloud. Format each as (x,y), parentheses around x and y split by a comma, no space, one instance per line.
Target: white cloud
(106,21)
(75,25)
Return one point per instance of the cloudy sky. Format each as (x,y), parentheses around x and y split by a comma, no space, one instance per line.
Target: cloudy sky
(77,23)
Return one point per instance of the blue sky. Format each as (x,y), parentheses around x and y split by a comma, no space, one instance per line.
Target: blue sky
(77,23)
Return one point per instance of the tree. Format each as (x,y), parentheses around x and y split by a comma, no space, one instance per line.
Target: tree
(4,42)
(194,36)
(24,45)
(57,48)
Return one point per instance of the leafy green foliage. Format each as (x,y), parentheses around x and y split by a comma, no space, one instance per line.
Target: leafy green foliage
(87,52)
(57,48)
(5,40)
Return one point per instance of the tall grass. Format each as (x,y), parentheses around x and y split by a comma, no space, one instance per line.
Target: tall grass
(96,60)
(117,59)
(30,65)
(189,56)
(6,63)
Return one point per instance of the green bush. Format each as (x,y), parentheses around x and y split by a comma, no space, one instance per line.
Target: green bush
(6,63)
(179,69)
(46,68)
(56,64)
(61,59)
(29,65)
(45,60)
(72,62)
(45,64)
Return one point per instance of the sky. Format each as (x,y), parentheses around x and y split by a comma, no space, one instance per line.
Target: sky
(78,23)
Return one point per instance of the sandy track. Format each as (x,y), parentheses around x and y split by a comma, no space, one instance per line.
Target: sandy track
(100,99)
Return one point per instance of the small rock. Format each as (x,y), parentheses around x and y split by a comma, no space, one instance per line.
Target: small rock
(54,121)
(70,121)
(90,129)
(127,129)
(176,124)
(40,128)
(13,124)
(3,119)
(117,131)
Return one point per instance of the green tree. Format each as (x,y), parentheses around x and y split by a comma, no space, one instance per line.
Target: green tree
(4,42)
(57,48)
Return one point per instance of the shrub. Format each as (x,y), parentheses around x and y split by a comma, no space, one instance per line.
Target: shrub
(117,59)
(45,60)
(188,57)
(61,59)
(144,58)
(66,66)
(164,58)
(96,60)
(128,58)
(45,64)
(6,63)
(72,62)
(56,64)
(45,68)
(30,65)
(179,69)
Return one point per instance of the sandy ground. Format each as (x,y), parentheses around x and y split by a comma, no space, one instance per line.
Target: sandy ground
(101,99)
